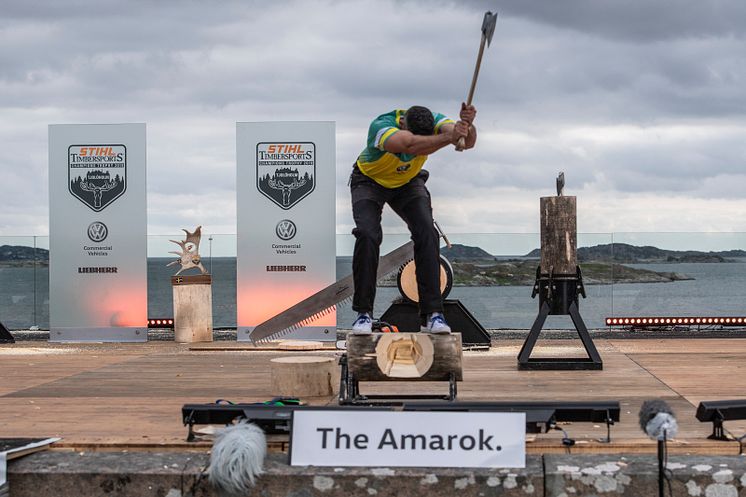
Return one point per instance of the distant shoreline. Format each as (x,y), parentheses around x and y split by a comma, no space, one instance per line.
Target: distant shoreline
(523,273)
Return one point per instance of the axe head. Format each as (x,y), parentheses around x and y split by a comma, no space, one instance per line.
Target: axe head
(488,26)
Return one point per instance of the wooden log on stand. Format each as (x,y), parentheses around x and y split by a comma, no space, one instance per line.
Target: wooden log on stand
(559,238)
(404,356)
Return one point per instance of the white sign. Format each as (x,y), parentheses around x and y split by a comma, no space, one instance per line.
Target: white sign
(286,221)
(419,439)
(97,233)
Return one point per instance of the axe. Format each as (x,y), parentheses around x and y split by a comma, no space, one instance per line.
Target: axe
(488,29)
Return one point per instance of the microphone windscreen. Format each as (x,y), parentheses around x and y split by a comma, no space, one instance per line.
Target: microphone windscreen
(657,420)
(237,458)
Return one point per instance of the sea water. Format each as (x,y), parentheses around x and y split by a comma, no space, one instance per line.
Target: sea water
(718,289)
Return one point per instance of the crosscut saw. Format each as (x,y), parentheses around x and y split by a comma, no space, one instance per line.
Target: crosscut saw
(326,300)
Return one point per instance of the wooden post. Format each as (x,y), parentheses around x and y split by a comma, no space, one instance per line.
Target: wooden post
(192,308)
(559,237)
(304,376)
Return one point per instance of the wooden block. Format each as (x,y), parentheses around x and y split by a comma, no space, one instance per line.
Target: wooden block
(559,237)
(192,309)
(304,376)
(404,356)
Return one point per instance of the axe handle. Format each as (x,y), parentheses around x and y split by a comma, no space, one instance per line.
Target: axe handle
(462,141)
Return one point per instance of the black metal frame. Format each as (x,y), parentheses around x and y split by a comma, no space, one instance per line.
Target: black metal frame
(278,419)
(718,430)
(349,390)
(5,336)
(718,411)
(406,316)
(271,419)
(558,295)
(607,412)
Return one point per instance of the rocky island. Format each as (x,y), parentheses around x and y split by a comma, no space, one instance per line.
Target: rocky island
(22,256)
(625,253)
(473,266)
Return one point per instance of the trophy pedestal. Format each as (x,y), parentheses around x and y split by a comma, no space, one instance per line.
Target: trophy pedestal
(192,308)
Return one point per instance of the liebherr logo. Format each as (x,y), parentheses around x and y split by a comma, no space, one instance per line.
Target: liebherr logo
(285,229)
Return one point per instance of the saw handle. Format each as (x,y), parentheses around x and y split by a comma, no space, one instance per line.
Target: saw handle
(442,234)
(461,144)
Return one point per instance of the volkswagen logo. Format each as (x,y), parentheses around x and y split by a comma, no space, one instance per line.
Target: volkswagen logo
(285,229)
(97,231)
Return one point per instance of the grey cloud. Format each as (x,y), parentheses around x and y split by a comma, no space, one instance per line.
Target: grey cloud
(638,21)
(192,69)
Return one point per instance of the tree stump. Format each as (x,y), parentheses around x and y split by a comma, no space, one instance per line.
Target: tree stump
(304,376)
(192,308)
(559,238)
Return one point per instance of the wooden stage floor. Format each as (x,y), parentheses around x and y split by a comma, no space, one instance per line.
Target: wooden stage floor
(129,396)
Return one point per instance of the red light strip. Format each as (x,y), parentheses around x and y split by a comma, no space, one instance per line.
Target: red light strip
(161,323)
(670,320)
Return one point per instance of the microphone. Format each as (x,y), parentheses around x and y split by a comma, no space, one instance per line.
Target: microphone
(657,420)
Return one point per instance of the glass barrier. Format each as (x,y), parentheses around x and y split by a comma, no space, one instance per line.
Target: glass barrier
(625,274)
(494,274)
(41,284)
(20,272)
(218,253)
(704,274)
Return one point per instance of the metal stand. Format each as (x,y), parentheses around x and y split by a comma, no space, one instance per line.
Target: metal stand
(661,466)
(5,336)
(558,295)
(349,390)
(718,431)
(406,316)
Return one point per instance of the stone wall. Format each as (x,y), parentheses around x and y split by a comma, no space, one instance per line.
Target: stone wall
(143,474)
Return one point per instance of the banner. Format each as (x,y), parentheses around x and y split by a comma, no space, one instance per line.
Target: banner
(97,233)
(286,221)
(418,439)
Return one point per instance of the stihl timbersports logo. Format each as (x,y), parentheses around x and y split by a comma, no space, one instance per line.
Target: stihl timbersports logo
(285,172)
(97,173)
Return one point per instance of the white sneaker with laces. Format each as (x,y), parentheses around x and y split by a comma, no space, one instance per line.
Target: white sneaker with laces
(363,325)
(436,323)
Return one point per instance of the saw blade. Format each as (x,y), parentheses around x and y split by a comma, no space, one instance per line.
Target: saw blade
(324,301)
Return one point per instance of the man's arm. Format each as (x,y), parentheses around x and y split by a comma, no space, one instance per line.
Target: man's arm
(406,142)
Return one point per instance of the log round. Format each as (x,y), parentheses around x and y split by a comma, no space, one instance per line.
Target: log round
(406,355)
(406,280)
(299,345)
(304,376)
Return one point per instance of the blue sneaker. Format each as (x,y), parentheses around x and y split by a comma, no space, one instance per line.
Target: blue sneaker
(363,325)
(436,323)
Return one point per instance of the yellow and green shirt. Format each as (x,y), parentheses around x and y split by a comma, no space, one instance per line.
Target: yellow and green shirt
(387,169)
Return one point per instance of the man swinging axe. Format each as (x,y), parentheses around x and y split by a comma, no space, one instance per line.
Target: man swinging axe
(389,171)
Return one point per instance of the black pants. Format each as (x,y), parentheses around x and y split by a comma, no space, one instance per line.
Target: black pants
(412,203)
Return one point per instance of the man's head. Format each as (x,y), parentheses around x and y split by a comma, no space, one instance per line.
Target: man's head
(419,120)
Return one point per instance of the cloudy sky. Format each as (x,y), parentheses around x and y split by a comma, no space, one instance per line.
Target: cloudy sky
(642,103)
